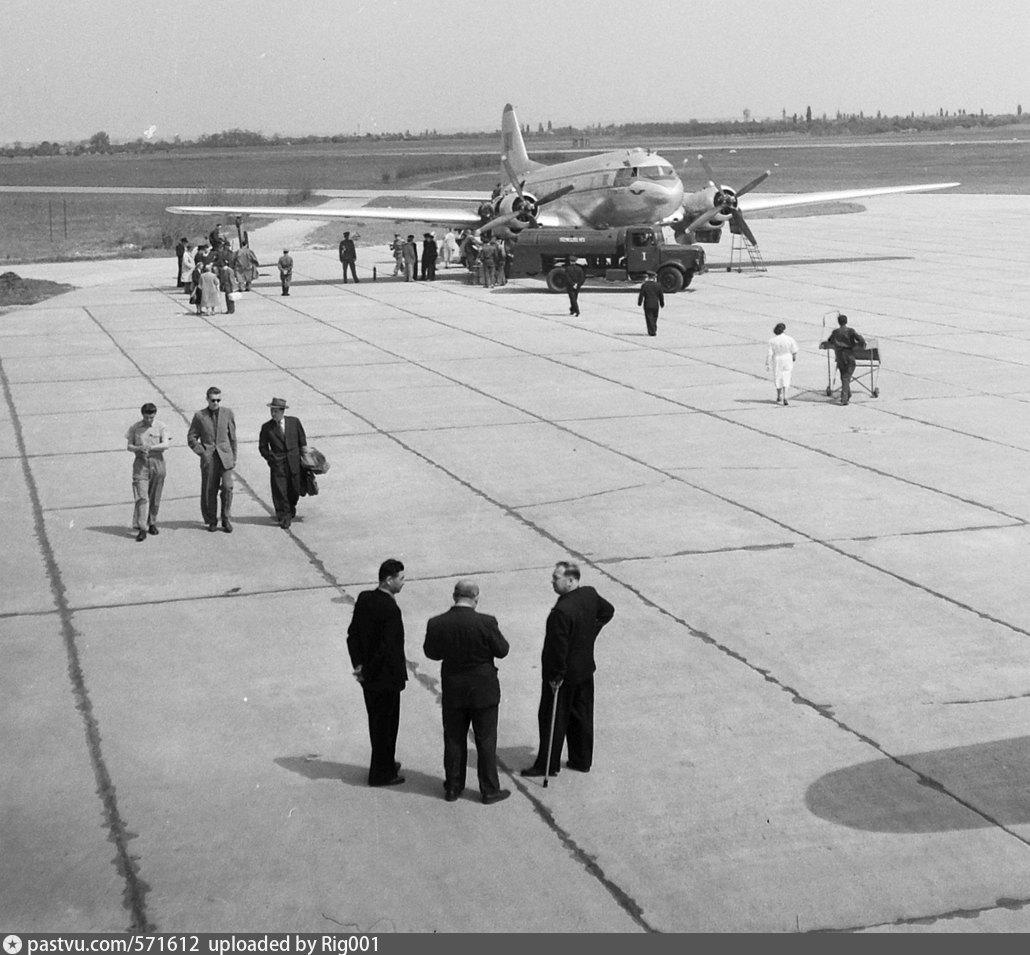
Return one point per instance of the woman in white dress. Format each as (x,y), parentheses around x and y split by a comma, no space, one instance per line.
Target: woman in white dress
(783,352)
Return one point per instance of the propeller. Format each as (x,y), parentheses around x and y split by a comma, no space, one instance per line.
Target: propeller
(725,203)
(525,207)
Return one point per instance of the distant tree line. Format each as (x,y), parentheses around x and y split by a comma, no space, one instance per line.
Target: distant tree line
(842,124)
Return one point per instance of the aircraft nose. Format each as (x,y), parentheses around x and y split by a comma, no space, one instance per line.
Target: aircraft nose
(666,195)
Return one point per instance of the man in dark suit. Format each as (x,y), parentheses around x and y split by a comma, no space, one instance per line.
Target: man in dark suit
(285,264)
(653,300)
(281,442)
(429,256)
(468,642)
(348,257)
(567,666)
(180,251)
(375,642)
(212,437)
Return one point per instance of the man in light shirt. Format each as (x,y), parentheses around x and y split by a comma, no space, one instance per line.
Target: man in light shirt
(147,439)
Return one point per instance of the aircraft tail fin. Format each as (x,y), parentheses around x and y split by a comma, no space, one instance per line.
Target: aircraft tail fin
(512,144)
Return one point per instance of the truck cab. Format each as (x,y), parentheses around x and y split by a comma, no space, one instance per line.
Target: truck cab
(641,250)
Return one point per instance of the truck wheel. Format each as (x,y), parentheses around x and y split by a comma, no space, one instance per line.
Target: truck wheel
(688,277)
(670,279)
(556,280)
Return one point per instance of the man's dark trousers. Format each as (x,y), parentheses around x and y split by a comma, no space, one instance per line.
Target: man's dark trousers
(651,320)
(846,367)
(384,719)
(214,478)
(574,721)
(456,721)
(573,300)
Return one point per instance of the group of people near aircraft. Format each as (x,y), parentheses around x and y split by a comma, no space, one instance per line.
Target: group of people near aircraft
(488,258)
(208,269)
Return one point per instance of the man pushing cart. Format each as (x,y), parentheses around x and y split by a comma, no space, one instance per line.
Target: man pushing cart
(855,359)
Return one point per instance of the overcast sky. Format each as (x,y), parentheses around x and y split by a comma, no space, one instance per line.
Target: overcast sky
(72,67)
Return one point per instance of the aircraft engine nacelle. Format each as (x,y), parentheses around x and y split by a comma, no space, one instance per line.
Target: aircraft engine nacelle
(725,200)
(518,211)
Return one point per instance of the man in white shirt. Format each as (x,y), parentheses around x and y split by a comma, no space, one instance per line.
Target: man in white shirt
(147,439)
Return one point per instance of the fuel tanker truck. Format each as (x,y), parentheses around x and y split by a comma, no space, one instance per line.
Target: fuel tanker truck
(615,255)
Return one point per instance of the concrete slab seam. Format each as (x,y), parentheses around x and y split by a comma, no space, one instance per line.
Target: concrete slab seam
(312,557)
(135,891)
(622,898)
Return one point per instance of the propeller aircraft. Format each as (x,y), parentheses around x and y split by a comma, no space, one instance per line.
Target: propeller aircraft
(624,187)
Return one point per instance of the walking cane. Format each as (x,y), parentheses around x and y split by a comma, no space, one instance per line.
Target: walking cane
(555,685)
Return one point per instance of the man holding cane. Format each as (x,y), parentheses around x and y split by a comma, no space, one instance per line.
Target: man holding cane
(567,663)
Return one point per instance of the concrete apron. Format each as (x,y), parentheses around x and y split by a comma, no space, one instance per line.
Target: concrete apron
(810,705)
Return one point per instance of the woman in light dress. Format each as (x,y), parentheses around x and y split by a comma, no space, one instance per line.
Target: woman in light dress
(783,352)
(208,290)
(449,248)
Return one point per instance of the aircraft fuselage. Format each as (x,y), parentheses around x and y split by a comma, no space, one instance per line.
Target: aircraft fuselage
(620,188)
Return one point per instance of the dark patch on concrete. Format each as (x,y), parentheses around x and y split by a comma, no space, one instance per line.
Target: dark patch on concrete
(14,290)
(1012,905)
(989,699)
(135,889)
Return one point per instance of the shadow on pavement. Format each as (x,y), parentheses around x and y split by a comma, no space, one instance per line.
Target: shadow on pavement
(314,767)
(881,796)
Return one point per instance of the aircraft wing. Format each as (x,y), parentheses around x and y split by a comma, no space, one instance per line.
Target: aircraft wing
(460,217)
(753,203)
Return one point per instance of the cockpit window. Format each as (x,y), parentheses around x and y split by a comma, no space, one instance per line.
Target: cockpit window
(656,172)
(626,175)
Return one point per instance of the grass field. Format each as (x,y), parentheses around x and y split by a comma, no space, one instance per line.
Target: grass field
(39,226)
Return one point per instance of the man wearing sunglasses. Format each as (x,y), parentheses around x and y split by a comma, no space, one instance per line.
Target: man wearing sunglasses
(212,437)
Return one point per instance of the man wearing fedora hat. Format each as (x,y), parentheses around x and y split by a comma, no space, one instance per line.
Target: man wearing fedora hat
(281,443)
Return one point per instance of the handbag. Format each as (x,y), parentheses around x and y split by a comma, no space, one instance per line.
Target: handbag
(234,296)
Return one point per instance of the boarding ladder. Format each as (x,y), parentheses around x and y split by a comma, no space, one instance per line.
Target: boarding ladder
(741,246)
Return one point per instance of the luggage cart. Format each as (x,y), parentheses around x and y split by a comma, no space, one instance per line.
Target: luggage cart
(867,364)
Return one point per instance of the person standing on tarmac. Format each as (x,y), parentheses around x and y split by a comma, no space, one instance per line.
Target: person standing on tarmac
(567,667)
(285,264)
(397,251)
(467,642)
(488,261)
(348,257)
(574,279)
(375,643)
(430,251)
(653,300)
(180,251)
(409,255)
